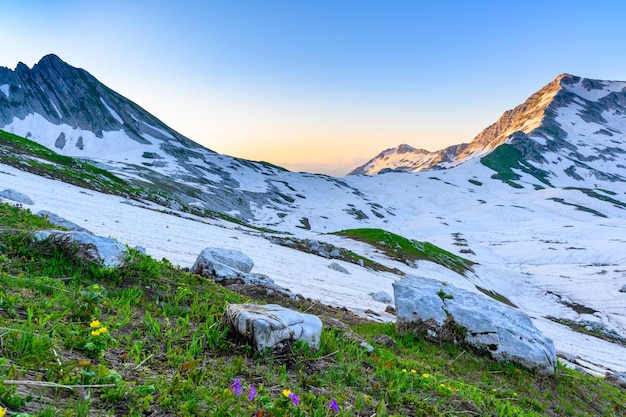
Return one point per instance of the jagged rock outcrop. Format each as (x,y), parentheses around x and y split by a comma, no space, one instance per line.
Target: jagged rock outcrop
(63,94)
(447,313)
(272,326)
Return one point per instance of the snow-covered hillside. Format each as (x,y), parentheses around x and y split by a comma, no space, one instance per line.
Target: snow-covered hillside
(551,260)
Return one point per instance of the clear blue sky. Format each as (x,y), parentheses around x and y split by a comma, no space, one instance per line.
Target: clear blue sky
(321,85)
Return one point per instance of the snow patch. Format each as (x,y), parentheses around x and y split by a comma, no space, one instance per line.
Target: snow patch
(5,88)
(113,112)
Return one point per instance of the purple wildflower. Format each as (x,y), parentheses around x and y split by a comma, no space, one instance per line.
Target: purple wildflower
(252,393)
(294,399)
(333,405)
(235,387)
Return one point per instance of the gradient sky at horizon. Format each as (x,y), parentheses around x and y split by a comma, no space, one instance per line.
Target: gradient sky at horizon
(322,86)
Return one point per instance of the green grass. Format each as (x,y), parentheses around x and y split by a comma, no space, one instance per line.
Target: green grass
(504,159)
(405,250)
(166,352)
(578,207)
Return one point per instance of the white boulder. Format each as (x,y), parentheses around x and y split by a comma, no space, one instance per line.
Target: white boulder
(272,326)
(448,313)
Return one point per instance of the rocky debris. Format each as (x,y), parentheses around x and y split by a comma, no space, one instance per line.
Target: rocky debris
(60,221)
(336,267)
(384,340)
(231,268)
(381,297)
(444,312)
(18,197)
(618,378)
(315,247)
(272,326)
(623,289)
(101,250)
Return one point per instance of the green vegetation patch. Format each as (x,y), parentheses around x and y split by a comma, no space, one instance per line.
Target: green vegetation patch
(603,197)
(504,159)
(405,250)
(578,207)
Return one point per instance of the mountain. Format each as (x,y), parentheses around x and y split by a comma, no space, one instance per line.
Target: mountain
(69,111)
(571,129)
(536,203)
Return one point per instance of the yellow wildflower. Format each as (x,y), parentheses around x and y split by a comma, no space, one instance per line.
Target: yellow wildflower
(2,411)
(94,324)
(425,375)
(404,370)
(286,392)
(413,371)
(103,330)
(96,287)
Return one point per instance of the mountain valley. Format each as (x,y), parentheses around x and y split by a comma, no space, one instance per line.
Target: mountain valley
(536,201)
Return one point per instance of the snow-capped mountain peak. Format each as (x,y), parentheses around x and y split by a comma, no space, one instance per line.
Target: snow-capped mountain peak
(567,111)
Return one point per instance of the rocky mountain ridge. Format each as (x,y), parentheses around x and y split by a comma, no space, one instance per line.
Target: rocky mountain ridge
(554,124)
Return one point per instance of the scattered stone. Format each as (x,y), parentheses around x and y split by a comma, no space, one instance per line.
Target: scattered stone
(335,266)
(371,313)
(390,310)
(384,340)
(60,221)
(18,197)
(623,289)
(381,297)
(101,250)
(272,326)
(619,378)
(222,264)
(447,313)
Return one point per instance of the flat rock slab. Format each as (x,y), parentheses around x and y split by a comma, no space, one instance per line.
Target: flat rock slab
(272,326)
(447,313)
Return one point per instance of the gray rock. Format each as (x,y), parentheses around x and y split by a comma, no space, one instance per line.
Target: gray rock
(102,250)
(18,197)
(261,280)
(381,297)
(222,264)
(623,289)
(272,326)
(447,313)
(336,267)
(60,221)
(618,378)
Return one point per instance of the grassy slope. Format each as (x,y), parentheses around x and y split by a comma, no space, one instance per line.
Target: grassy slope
(405,250)
(165,352)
